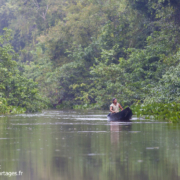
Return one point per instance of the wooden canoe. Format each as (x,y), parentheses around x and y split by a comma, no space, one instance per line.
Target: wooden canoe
(124,115)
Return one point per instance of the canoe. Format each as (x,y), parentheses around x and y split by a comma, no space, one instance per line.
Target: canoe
(124,115)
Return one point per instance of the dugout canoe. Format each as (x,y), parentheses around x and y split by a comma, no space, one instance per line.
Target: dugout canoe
(124,115)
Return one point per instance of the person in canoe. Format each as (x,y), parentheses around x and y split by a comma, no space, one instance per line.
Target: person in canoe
(114,107)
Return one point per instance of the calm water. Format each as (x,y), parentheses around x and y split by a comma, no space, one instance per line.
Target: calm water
(77,145)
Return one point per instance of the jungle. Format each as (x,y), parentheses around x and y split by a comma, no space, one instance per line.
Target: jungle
(79,54)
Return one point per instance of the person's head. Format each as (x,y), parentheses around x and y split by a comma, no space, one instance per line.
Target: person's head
(114,100)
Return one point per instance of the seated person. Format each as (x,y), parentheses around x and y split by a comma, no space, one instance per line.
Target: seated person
(114,107)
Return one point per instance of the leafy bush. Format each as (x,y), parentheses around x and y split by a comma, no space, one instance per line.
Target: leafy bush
(5,109)
(160,111)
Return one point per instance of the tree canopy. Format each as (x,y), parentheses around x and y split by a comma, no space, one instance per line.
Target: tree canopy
(84,53)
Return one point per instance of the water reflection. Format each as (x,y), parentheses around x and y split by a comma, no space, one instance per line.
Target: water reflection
(60,164)
(116,128)
(64,145)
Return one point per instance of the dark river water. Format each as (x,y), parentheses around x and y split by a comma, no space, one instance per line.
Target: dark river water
(83,145)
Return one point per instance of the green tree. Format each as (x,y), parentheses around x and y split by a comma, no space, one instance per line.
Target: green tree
(16,89)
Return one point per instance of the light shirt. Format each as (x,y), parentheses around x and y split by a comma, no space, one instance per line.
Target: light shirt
(115,107)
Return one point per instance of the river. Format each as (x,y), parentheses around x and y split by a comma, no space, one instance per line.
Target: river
(83,145)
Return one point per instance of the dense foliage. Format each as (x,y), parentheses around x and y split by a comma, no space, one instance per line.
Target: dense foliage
(159,111)
(17,93)
(84,53)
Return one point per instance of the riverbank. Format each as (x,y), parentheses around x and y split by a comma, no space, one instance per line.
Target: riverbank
(169,111)
(4,109)
(160,111)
